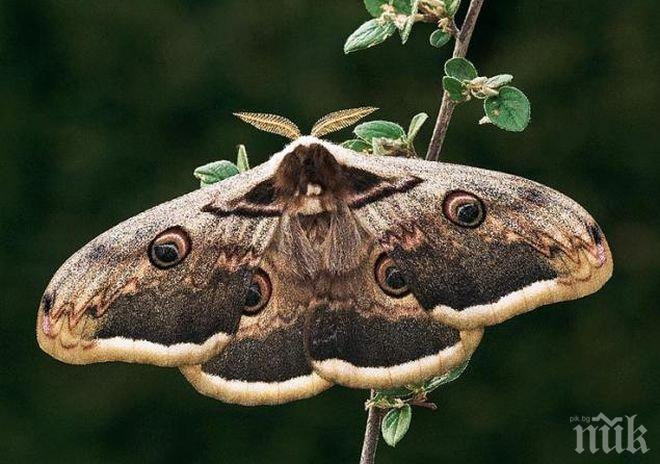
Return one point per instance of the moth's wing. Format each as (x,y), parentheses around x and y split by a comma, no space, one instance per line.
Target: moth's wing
(266,361)
(367,339)
(108,302)
(354,336)
(535,246)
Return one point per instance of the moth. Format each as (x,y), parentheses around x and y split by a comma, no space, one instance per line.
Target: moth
(321,266)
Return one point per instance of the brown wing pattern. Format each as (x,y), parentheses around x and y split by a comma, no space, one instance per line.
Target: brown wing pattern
(109,302)
(535,246)
(316,223)
(266,361)
(328,323)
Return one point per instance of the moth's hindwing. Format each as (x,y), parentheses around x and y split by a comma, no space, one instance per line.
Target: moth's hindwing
(369,339)
(266,362)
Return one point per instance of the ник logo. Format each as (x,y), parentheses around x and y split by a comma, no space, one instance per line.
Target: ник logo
(607,435)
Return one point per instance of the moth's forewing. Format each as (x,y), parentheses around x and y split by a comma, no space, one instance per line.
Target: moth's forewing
(109,302)
(535,246)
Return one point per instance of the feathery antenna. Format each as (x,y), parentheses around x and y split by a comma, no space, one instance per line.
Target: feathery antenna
(271,123)
(340,119)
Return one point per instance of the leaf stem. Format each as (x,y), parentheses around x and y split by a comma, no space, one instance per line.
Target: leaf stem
(447,106)
(371,433)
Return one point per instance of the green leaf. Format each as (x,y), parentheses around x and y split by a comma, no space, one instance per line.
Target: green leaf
(395,424)
(510,110)
(356,145)
(447,377)
(214,172)
(374,7)
(407,7)
(368,131)
(499,80)
(410,22)
(369,34)
(407,29)
(454,88)
(381,146)
(415,125)
(461,69)
(451,7)
(242,162)
(439,38)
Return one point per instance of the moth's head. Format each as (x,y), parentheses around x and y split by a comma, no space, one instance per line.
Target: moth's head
(147,290)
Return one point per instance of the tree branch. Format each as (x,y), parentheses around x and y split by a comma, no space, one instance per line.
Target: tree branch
(447,106)
(371,434)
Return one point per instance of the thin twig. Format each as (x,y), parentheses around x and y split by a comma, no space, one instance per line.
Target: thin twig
(462,38)
(371,433)
(447,106)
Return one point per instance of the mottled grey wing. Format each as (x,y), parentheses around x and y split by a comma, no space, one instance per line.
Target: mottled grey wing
(535,246)
(110,301)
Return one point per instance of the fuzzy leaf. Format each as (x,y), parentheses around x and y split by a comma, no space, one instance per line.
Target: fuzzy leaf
(410,21)
(374,7)
(369,34)
(407,29)
(445,378)
(509,110)
(242,162)
(451,6)
(357,145)
(388,147)
(407,7)
(214,172)
(454,88)
(415,125)
(461,69)
(499,80)
(439,38)
(395,424)
(381,146)
(368,131)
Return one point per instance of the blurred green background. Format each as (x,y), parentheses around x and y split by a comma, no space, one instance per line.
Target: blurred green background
(107,107)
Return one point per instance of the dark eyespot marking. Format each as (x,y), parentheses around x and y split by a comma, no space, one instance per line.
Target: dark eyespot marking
(464,209)
(258,293)
(390,279)
(169,248)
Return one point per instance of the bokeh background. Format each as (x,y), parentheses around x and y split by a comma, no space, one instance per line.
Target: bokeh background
(107,107)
